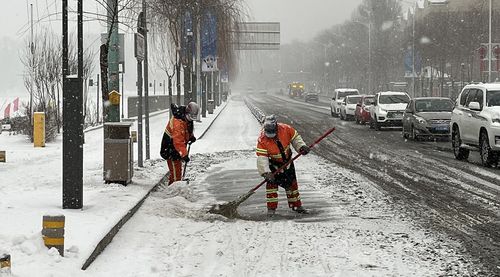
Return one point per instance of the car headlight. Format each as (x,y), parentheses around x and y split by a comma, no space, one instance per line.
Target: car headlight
(421,120)
(382,110)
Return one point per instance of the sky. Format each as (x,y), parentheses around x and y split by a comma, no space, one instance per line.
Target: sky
(302,19)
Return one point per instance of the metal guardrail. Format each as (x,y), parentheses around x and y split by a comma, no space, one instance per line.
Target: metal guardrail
(257,113)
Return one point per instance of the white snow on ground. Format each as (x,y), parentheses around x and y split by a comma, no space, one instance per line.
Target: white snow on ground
(31,186)
(359,233)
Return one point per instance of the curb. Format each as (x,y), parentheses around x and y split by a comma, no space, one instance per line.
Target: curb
(111,234)
(108,238)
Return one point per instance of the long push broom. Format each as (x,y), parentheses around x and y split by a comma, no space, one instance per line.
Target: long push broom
(230,209)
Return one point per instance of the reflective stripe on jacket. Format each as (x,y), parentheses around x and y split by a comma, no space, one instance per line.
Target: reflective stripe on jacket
(267,149)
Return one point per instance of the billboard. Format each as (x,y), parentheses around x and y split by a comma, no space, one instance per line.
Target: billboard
(258,36)
(209,42)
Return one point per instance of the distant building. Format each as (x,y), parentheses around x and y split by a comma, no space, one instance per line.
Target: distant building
(429,6)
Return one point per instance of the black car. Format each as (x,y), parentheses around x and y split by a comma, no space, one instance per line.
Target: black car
(311,96)
(427,117)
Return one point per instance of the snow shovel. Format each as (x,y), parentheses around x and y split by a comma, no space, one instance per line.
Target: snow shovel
(185,166)
(230,209)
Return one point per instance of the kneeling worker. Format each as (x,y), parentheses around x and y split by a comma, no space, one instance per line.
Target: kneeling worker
(273,151)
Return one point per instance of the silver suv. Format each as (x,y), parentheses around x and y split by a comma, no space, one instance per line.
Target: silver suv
(475,123)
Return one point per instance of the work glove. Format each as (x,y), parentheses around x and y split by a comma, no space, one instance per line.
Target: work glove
(186,159)
(268,176)
(304,150)
(192,140)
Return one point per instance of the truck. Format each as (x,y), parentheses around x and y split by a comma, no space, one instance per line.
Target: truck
(296,89)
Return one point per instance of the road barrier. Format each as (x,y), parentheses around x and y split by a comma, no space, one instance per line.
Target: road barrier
(258,113)
(53,232)
(5,263)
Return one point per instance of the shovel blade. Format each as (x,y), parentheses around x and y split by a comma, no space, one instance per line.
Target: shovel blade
(230,209)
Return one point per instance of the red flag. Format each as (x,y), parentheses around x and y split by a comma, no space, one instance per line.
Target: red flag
(16,104)
(6,113)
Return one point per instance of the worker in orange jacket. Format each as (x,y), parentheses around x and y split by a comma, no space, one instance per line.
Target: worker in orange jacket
(273,151)
(177,135)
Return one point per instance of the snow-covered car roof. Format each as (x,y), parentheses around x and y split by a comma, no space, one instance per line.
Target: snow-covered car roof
(392,93)
(346,89)
(488,86)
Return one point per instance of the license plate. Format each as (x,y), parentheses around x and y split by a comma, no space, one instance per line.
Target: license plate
(442,128)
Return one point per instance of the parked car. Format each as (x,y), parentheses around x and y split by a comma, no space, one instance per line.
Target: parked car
(338,97)
(475,123)
(362,113)
(427,117)
(348,107)
(311,96)
(388,109)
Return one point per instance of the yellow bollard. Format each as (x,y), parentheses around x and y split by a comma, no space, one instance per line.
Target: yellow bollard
(53,232)
(5,263)
(39,129)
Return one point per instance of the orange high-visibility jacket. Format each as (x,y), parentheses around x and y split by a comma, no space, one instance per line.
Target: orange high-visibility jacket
(267,149)
(178,130)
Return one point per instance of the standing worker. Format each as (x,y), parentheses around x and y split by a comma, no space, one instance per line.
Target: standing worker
(177,135)
(273,151)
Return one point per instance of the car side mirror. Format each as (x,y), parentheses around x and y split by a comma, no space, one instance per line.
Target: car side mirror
(474,106)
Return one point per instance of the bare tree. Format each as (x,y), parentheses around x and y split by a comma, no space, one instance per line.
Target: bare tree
(43,77)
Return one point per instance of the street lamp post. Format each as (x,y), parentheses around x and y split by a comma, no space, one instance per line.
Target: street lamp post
(369,26)
(462,66)
(489,44)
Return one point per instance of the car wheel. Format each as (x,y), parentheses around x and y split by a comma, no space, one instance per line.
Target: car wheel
(413,134)
(376,126)
(405,135)
(488,157)
(459,152)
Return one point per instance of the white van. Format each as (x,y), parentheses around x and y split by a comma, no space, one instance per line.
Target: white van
(338,96)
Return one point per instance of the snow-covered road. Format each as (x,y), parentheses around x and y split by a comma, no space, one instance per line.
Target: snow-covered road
(354,232)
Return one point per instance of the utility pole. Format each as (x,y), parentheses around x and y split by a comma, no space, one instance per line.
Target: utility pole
(198,59)
(72,165)
(139,54)
(413,50)
(490,48)
(98,96)
(146,76)
(370,54)
(123,95)
(32,49)
(113,58)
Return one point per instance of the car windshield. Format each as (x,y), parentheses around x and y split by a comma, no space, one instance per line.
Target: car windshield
(394,99)
(343,94)
(353,99)
(433,105)
(493,98)
(369,101)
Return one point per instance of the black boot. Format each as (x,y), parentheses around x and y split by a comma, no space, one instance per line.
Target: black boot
(271,212)
(300,210)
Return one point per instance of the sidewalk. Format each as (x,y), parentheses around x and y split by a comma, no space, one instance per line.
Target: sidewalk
(31,186)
